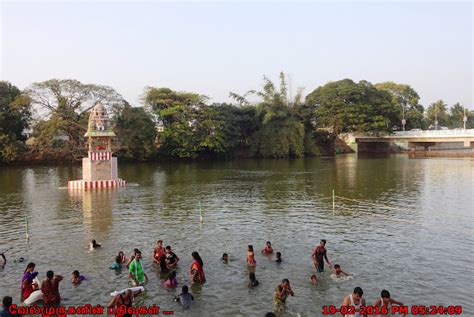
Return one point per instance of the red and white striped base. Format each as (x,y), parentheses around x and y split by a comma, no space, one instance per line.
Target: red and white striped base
(100,156)
(82,184)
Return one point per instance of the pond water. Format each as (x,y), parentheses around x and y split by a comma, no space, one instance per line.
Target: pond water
(400,224)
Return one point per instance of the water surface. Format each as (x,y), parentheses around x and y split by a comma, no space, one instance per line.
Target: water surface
(408,229)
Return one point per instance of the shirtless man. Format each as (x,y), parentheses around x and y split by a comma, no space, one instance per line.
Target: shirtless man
(319,255)
(354,301)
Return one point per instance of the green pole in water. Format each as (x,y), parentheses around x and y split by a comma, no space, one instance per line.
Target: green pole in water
(333,202)
(200,212)
(26,228)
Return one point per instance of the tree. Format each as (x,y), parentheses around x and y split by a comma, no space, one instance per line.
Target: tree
(15,114)
(456,116)
(65,103)
(190,127)
(136,133)
(282,131)
(346,106)
(407,99)
(437,111)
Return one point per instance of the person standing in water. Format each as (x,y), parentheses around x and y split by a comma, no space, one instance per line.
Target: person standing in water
(185,298)
(27,282)
(281,294)
(122,258)
(251,256)
(77,278)
(50,289)
(171,258)
(158,252)
(135,270)
(386,301)
(196,271)
(354,301)
(268,248)
(319,255)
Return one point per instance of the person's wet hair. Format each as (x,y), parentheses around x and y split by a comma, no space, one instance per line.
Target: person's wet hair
(7,302)
(30,265)
(269,243)
(251,247)
(270,314)
(359,291)
(278,254)
(285,280)
(385,294)
(50,274)
(323,241)
(117,259)
(75,273)
(197,257)
(184,289)
(337,266)
(168,248)
(224,256)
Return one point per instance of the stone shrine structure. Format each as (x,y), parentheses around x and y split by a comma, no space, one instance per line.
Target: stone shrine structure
(99,168)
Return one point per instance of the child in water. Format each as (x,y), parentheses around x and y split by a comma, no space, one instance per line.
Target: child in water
(253,280)
(268,249)
(313,279)
(251,256)
(171,281)
(338,272)
(225,258)
(77,278)
(278,259)
(94,245)
(116,265)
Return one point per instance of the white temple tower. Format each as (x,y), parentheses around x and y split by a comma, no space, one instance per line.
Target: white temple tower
(99,168)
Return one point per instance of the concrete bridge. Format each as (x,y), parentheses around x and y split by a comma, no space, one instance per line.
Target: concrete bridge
(459,142)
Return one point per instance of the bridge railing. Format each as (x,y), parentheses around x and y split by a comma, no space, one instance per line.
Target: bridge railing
(436,133)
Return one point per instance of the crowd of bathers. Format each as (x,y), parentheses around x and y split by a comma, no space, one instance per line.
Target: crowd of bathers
(34,290)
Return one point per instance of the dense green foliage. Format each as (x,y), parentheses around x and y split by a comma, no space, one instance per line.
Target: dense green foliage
(15,114)
(346,106)
(406,100)
(136,133)
(184,125)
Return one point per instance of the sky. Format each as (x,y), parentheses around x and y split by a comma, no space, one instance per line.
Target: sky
(213,48)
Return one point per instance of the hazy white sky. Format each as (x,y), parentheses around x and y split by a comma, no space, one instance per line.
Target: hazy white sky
(213,48)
